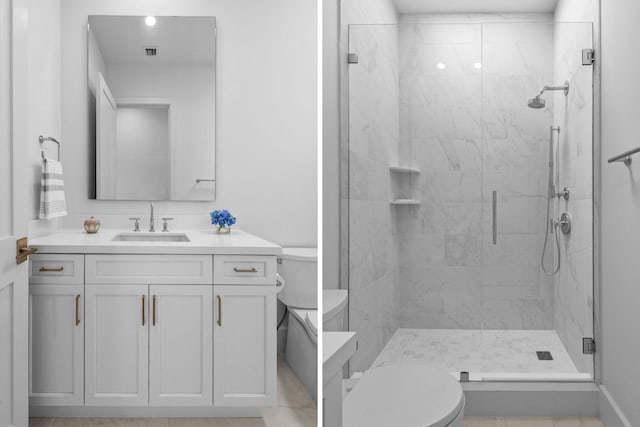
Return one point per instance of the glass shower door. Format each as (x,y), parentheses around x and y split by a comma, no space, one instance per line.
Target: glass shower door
(440,135)
(521,304)
(373,146)
(447,190)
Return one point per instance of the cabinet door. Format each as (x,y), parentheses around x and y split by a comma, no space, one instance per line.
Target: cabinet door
(117,345)
(244,345)
(181,345)
(56,344)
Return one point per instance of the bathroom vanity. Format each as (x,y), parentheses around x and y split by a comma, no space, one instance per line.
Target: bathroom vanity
(135,324)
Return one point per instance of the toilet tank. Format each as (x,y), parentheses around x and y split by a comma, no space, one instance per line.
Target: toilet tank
(299,269)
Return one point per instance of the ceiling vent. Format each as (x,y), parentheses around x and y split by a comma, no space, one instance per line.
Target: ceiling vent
(151,51)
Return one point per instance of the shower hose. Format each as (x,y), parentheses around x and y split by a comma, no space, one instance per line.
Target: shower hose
(550,197)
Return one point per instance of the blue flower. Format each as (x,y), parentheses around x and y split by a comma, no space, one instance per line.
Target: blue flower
(222,218)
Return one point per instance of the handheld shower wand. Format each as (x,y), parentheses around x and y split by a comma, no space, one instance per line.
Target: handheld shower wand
(551,195)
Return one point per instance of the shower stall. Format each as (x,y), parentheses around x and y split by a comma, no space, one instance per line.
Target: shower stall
(461,185)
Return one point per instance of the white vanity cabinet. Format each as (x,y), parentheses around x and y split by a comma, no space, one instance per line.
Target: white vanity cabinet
(149,342)
(149,345)
(181,345)
(56,330)
(116,351)
(244,331)
(126,334)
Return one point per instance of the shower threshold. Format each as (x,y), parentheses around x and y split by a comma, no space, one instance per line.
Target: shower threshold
(487,355)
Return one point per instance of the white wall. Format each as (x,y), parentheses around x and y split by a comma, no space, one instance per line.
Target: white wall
(620,206)
(142,149)
(95,62)
(43,96)
(266,116)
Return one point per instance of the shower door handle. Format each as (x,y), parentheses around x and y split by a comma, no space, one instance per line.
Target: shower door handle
(494,221)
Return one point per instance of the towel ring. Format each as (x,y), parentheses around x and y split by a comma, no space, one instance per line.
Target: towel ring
(42,140)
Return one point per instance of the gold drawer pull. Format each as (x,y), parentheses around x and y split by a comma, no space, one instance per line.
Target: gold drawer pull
(142,310)
(245,270)
(219,310)
(153,313)
(77,310)
(59,269)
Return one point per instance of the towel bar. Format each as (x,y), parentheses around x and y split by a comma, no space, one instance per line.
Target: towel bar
(624,157)
(42,139)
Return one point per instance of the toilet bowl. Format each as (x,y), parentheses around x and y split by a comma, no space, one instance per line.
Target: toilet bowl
(404,396)
(299,293)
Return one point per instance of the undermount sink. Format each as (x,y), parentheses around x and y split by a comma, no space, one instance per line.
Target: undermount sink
(149,237)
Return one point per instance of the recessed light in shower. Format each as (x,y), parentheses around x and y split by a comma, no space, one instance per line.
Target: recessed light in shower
(440,66)
(477,65)
(150,21)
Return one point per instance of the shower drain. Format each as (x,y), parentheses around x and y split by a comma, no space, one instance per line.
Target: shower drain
(544,355)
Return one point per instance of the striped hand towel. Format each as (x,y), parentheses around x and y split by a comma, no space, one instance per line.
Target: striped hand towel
(52,204)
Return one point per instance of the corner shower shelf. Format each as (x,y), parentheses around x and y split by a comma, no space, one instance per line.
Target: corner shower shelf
(403,177)
(404,169)
(405,202)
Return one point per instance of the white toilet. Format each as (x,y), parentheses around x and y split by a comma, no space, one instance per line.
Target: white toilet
(299,268)
(404,395)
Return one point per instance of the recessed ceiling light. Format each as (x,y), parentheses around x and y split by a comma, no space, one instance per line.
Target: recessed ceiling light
(440,66)
(477,65)
(150,21)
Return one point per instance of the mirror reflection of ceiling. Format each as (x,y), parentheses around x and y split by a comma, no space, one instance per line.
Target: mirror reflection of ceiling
(475,6)
(169,36)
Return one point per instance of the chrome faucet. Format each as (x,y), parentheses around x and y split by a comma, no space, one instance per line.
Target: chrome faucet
(152,226)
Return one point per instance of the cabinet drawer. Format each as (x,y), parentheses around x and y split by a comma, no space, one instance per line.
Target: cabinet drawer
(56,268)
(149,269)
(244,270)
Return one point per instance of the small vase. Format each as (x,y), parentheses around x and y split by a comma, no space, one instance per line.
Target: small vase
(91,225)
(223,229)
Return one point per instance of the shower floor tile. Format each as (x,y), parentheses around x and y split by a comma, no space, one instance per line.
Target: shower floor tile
(480,352)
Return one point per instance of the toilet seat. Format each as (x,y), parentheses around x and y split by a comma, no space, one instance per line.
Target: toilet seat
(405,396)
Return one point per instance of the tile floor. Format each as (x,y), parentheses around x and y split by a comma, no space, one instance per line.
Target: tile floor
(295,408)
(530,422)
(486,351)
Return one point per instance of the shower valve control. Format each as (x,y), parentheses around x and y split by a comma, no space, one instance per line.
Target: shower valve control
(564,194)
(565,223)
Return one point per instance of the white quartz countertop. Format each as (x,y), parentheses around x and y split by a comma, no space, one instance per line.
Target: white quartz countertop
(237,242)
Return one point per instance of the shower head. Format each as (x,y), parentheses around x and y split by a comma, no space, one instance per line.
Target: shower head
(536,102)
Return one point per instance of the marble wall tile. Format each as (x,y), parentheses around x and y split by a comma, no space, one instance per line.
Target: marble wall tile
(514,261)
(437,296)
(437,218)
(517,61)
(373,314)
(517,313)
(470,132)
(475,18)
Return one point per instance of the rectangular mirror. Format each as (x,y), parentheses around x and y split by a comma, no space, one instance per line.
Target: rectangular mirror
(152,106)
